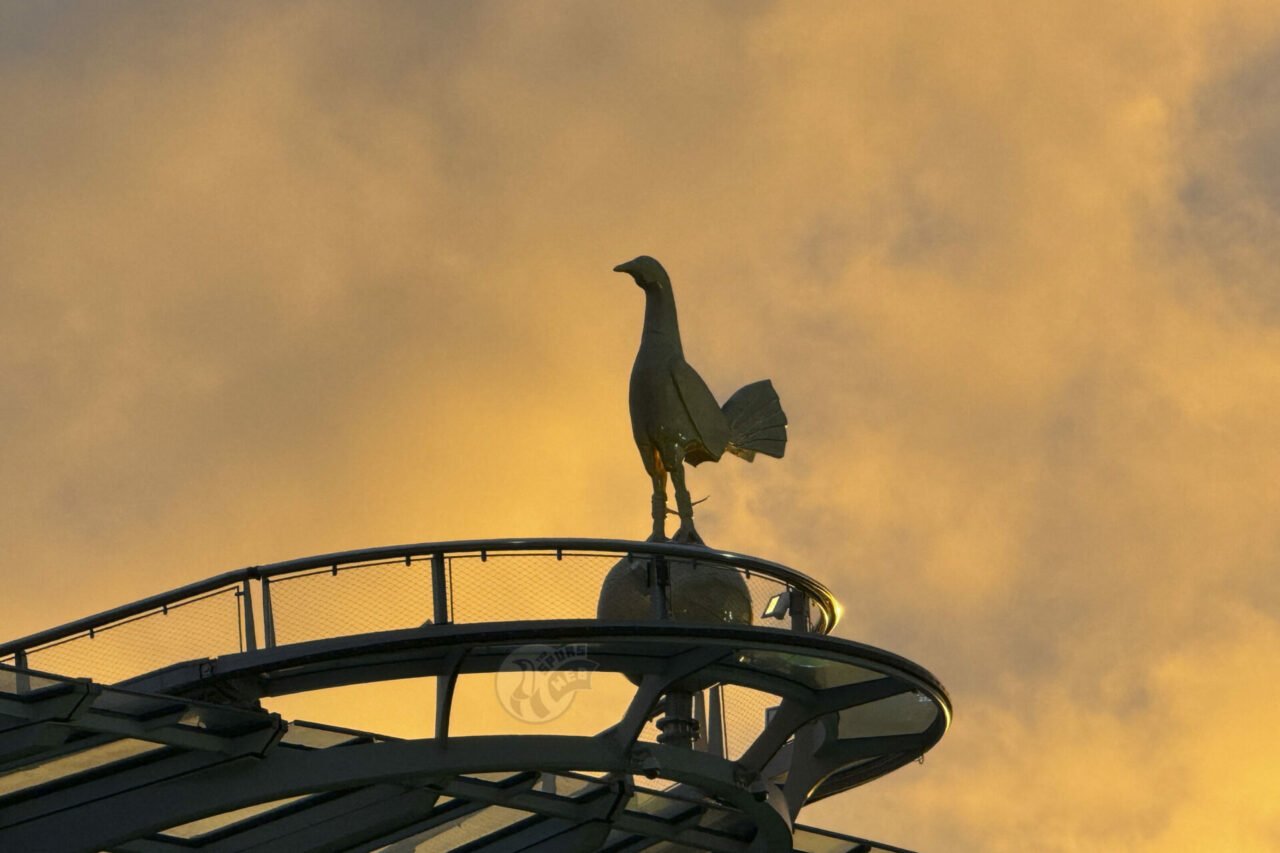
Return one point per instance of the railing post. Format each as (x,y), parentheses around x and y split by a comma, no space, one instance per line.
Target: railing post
(715,721)
(268,616)
(659,588)
(439,590)
(250,632)
(23,681)
(799,610)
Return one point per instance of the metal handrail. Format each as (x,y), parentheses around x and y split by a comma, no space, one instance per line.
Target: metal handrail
(240,577)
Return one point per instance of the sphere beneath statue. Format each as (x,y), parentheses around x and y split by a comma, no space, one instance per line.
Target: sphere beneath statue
(703,593)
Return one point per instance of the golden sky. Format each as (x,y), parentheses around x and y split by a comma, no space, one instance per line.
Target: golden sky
(281,279)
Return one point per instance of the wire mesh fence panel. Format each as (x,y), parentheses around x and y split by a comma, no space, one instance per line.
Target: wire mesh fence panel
(512,587)
(202,627)
(650,732)
(745,715)
(354,600)
(393,594)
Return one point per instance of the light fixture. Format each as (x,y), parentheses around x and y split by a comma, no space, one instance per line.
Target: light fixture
(778,606)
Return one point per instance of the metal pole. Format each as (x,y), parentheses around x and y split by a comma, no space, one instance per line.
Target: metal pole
(715,721)
(700,721)
(23,684)
(250,633)
(446,682)
(439,591)
(659,588)
(799,610)
(268,615)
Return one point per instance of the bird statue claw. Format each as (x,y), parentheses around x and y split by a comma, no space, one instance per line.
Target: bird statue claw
(688,535)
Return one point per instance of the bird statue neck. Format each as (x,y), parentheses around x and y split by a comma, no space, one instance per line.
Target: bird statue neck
(660,313)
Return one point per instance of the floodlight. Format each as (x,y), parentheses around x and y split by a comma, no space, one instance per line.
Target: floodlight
(778,606)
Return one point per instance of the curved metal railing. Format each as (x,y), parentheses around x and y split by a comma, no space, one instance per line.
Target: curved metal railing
(412,586)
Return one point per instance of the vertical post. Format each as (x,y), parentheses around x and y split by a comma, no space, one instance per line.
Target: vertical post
(659,588)
(23,684)
(446,681)
(700,743)
(250,633)
(268,616)
(444,703)
(715,721)
(799,610)
(439,590)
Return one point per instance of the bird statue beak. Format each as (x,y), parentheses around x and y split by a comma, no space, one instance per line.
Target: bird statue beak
(626,267)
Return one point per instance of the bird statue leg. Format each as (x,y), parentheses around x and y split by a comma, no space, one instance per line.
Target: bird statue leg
(687,532)
(659,506)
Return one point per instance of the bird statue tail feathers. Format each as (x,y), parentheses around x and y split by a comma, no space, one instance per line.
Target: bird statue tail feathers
(757,423)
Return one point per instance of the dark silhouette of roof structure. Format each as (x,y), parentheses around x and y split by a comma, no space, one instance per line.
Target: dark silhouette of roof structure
(146,728)
(141,729)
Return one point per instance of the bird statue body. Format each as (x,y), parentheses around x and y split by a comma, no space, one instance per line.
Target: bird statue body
(674,416)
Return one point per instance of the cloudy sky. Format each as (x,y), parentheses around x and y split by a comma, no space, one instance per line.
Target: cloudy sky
(281,279)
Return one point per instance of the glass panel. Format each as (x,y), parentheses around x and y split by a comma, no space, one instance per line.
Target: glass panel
(496,778)
(566,786)
(809,840)
(313,737)
(809,670)
(904,714)
(645,783)
(211,824)
(727,823)
(805,841)
(76,762)
(17,682)
(462,831)
(654,804)
(143,705)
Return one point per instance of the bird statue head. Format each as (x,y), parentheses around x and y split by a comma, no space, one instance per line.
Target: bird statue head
(647,272)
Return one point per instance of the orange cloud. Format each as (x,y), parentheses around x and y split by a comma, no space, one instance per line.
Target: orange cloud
(284,280)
